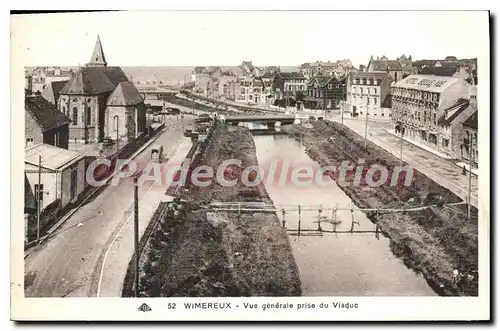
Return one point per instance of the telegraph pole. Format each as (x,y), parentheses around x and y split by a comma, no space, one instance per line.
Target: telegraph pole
(117,128)
(366,120)
(136,236)
(401,140)
(38,198)
(401,147)
(324,103)
(470,180)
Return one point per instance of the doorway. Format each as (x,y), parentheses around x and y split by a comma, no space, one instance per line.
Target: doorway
(73,184)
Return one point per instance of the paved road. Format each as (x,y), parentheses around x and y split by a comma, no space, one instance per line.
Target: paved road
(443,171)
(70,263)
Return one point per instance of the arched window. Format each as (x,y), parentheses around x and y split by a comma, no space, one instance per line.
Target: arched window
(89,116)
(75,116)
(64,111)
(116,120)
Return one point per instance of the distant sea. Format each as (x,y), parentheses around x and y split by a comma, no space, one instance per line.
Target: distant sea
(169,75)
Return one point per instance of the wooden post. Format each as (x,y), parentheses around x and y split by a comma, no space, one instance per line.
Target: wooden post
(283,212)
(136,235)
(299,223)
(366,120)
(470,180)
(334,218)
(352,220)
(319,219)
(39,197)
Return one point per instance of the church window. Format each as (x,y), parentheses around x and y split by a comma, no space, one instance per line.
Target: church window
(116,121)
(89,116)
(75,116)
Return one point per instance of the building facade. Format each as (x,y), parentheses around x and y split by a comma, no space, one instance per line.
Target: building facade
(62,177)
(470,143)
(252,91)
(44,124)
(324,92)
(421,102)
(368,94)
(288,84)
(43,76)
(392,67)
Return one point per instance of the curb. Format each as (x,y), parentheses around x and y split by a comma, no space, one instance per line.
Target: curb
(68,215)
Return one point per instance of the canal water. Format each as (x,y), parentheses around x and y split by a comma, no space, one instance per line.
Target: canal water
(342,264)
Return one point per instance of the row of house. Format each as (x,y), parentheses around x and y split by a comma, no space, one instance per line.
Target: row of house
(428,100)
(261,86)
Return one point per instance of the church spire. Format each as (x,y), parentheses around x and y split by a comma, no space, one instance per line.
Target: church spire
(98,59)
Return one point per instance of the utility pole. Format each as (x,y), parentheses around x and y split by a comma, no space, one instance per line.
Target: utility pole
(366,119)
(136,236)
(324,102)
(117,128)
(401,145)
(39,195)
(470,179)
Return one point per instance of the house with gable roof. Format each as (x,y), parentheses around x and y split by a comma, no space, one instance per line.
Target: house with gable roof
(43,123)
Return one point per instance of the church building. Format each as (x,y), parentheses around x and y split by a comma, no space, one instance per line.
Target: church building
(102,103)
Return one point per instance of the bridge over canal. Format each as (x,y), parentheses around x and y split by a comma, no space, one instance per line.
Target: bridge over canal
(269,120)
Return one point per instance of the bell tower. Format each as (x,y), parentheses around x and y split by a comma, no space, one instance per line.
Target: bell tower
(98,59)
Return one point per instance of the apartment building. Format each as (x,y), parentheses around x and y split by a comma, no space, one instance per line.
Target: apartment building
(368,94)
(423,105)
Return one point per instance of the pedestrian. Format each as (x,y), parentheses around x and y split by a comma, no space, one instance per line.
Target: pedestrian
(377,231)
(455,276)
(464,170)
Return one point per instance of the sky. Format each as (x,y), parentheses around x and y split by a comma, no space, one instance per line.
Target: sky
(287,38)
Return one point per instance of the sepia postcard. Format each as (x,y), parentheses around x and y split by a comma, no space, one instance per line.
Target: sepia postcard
(250,166)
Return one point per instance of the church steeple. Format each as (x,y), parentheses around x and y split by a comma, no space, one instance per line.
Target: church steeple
(98,59)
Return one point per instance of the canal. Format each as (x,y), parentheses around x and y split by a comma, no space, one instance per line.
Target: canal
(342,264)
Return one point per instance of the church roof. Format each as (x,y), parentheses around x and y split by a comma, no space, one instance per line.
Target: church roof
(94,81)
(98,58)
(125,94)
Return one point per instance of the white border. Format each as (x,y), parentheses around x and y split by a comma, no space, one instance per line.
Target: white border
(371,308)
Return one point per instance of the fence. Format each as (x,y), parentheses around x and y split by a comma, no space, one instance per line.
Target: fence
(320,215)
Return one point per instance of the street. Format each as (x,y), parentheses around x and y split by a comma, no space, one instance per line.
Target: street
(90,253)
(443,171)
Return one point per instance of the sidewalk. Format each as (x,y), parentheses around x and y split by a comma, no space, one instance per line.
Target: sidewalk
(427,148)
